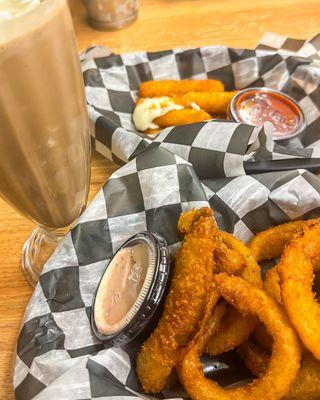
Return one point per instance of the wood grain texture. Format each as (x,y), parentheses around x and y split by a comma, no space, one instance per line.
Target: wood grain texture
(173,23)
(161,24)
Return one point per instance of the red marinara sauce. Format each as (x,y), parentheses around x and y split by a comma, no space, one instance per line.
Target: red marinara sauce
(259,105)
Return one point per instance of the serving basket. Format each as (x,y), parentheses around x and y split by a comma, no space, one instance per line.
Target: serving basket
(250,181)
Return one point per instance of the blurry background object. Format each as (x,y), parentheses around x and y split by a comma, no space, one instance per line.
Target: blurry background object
(111,14)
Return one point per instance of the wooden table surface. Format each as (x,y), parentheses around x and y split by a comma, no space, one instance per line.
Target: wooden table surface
(161,24)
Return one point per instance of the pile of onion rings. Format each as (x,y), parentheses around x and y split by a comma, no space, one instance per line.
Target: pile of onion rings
(273,324)
(297,247)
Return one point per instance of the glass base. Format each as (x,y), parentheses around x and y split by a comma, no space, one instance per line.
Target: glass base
(112,26)
(37,250)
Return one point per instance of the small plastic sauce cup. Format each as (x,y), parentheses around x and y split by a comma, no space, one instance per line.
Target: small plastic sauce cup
(131,292)
(255,106)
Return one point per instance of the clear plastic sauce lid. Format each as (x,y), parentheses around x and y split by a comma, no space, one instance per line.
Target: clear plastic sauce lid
(130,288)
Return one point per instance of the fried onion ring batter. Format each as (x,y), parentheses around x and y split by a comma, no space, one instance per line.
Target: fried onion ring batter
(307,383)
(271,284)
(269,244)
(279,374)
(235,328)
(296,280)
(186,300)
(255,359)
(228,260)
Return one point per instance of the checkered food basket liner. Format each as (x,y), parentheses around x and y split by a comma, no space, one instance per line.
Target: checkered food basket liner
(203,164)
(213,148)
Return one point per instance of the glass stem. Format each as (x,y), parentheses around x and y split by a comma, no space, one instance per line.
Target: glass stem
(37,250)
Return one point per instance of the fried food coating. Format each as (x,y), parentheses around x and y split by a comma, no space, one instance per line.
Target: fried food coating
(251,271)
(306,386)
(269,244)
(165,116)
(174,87)
(307,383)
(275,382)
(188,218)
(235,328)
(152,131)
(261,337)
(212,103)
(279,374)
(255,359)
(271,284)
(185,302)
(181,117)
(227,259)
(296,280)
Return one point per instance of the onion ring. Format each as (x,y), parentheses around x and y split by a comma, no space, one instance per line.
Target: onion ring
(271,284)
(235,328)
(185,302)
(269,244)
(271,281)
(296,279)
(227,259)
(307,383)
(261,337)
(255,359)
(279,375)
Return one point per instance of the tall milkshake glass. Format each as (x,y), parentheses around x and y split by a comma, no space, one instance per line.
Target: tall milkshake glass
(44,130)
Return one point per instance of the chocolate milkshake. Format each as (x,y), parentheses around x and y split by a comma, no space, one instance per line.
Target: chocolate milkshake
(44,139)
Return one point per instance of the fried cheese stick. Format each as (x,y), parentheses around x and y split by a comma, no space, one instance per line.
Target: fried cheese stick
(186,300)
(181,117)
(212,103)
(151,131)
(171,87)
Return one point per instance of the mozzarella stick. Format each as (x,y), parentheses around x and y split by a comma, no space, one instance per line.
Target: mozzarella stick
(181,117)
(151,131)
(173,87)
(212,103)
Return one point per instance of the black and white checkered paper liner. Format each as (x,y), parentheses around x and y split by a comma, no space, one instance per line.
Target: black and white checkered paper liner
(184,167)
(213,148)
